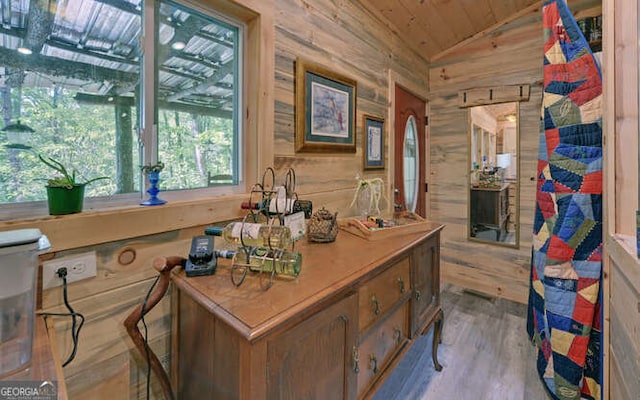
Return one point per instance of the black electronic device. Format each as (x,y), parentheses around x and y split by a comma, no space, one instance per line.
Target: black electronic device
(201,257)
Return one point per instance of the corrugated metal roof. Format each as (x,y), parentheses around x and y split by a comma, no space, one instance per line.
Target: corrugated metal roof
(94,45)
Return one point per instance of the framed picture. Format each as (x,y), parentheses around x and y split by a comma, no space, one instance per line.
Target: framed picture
(325,110)
(373,142)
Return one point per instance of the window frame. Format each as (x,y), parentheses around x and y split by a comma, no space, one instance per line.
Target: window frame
(621,129)
(150,111)
(256,118)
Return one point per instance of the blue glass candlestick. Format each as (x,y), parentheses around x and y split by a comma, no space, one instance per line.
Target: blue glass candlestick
(153,191)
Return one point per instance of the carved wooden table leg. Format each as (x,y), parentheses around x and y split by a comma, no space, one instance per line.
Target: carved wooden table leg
(437,339)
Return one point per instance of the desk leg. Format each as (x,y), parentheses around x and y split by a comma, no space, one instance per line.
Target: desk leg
(437,339)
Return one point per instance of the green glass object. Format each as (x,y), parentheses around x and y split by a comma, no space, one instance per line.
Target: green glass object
(261,259)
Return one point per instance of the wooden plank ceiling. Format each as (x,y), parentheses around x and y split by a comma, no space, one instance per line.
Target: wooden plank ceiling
(432,27)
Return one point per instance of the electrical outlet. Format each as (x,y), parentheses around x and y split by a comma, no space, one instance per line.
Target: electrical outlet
(79,266)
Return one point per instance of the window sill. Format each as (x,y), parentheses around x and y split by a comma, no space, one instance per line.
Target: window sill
(101,225)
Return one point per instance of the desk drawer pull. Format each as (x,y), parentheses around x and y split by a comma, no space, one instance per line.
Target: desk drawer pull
(373,363)
(355,360)
(401,283)
(376,305)
(418,295)
(398,334)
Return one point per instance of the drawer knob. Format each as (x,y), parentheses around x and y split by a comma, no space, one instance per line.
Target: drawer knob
(373,363)
(418,295)
(401,283)
(376,305)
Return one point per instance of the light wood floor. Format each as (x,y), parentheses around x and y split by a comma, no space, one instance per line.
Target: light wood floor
(485,354)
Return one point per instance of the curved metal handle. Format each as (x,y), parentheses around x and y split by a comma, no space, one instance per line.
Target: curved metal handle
(376,305)
(373,363)
(355,360)
(398,334)
(164,266)
(401,283)
(290,183)
(418,295)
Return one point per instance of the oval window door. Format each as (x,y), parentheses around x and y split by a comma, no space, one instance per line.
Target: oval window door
(410,162)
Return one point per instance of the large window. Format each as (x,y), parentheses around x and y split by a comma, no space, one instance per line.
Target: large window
(73,74)
(197,97)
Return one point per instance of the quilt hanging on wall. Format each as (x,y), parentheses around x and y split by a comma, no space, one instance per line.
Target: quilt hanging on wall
(564,316)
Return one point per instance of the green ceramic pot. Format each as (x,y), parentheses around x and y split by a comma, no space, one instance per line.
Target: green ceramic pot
(64,200)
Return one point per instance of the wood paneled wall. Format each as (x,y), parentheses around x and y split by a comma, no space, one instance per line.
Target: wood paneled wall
(511,55)
(340,35)
(623,353)
(622,266)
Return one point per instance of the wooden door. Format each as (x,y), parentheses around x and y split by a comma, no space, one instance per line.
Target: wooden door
(409,166)
(314,359)
(426,282)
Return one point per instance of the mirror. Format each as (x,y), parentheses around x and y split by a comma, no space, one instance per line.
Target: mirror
(493,174)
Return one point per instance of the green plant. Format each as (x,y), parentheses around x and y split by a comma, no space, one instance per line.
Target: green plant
(68,179)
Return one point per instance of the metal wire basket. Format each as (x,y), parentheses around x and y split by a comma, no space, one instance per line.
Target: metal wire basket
(322,226)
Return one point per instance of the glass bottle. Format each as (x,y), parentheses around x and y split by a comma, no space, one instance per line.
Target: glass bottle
(255,235)
(270,207)
(286,263)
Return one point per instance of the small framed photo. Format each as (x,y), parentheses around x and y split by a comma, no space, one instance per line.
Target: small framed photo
(325,110)
(373,142)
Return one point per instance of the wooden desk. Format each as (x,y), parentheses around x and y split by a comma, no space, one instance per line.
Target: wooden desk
(335,332)
(45,362)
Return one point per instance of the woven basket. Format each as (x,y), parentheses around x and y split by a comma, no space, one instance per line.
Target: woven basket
(323,226)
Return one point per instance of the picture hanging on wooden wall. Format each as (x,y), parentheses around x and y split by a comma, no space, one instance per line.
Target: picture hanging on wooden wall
(373,142)
(325,110)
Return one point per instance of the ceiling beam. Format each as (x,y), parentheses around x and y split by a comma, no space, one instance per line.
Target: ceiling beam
(60,65)
(122,6)
(74,49)
(65,68)
(86,98)
(201,88)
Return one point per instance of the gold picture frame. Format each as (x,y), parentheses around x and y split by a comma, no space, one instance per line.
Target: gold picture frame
(325,110)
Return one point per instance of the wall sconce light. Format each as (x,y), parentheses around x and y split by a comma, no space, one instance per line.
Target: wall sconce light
(18,135)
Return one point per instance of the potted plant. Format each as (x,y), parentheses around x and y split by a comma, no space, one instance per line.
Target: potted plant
(64,194)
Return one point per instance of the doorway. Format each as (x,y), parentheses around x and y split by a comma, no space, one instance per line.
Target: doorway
(410,152)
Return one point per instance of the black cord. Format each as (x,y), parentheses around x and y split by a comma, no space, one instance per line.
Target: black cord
(75,327)
(146,341)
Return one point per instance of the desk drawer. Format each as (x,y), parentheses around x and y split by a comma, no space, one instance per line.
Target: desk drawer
(382,293)
(381,345)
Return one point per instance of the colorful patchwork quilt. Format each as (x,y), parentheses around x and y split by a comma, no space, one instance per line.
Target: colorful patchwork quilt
(564,316)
